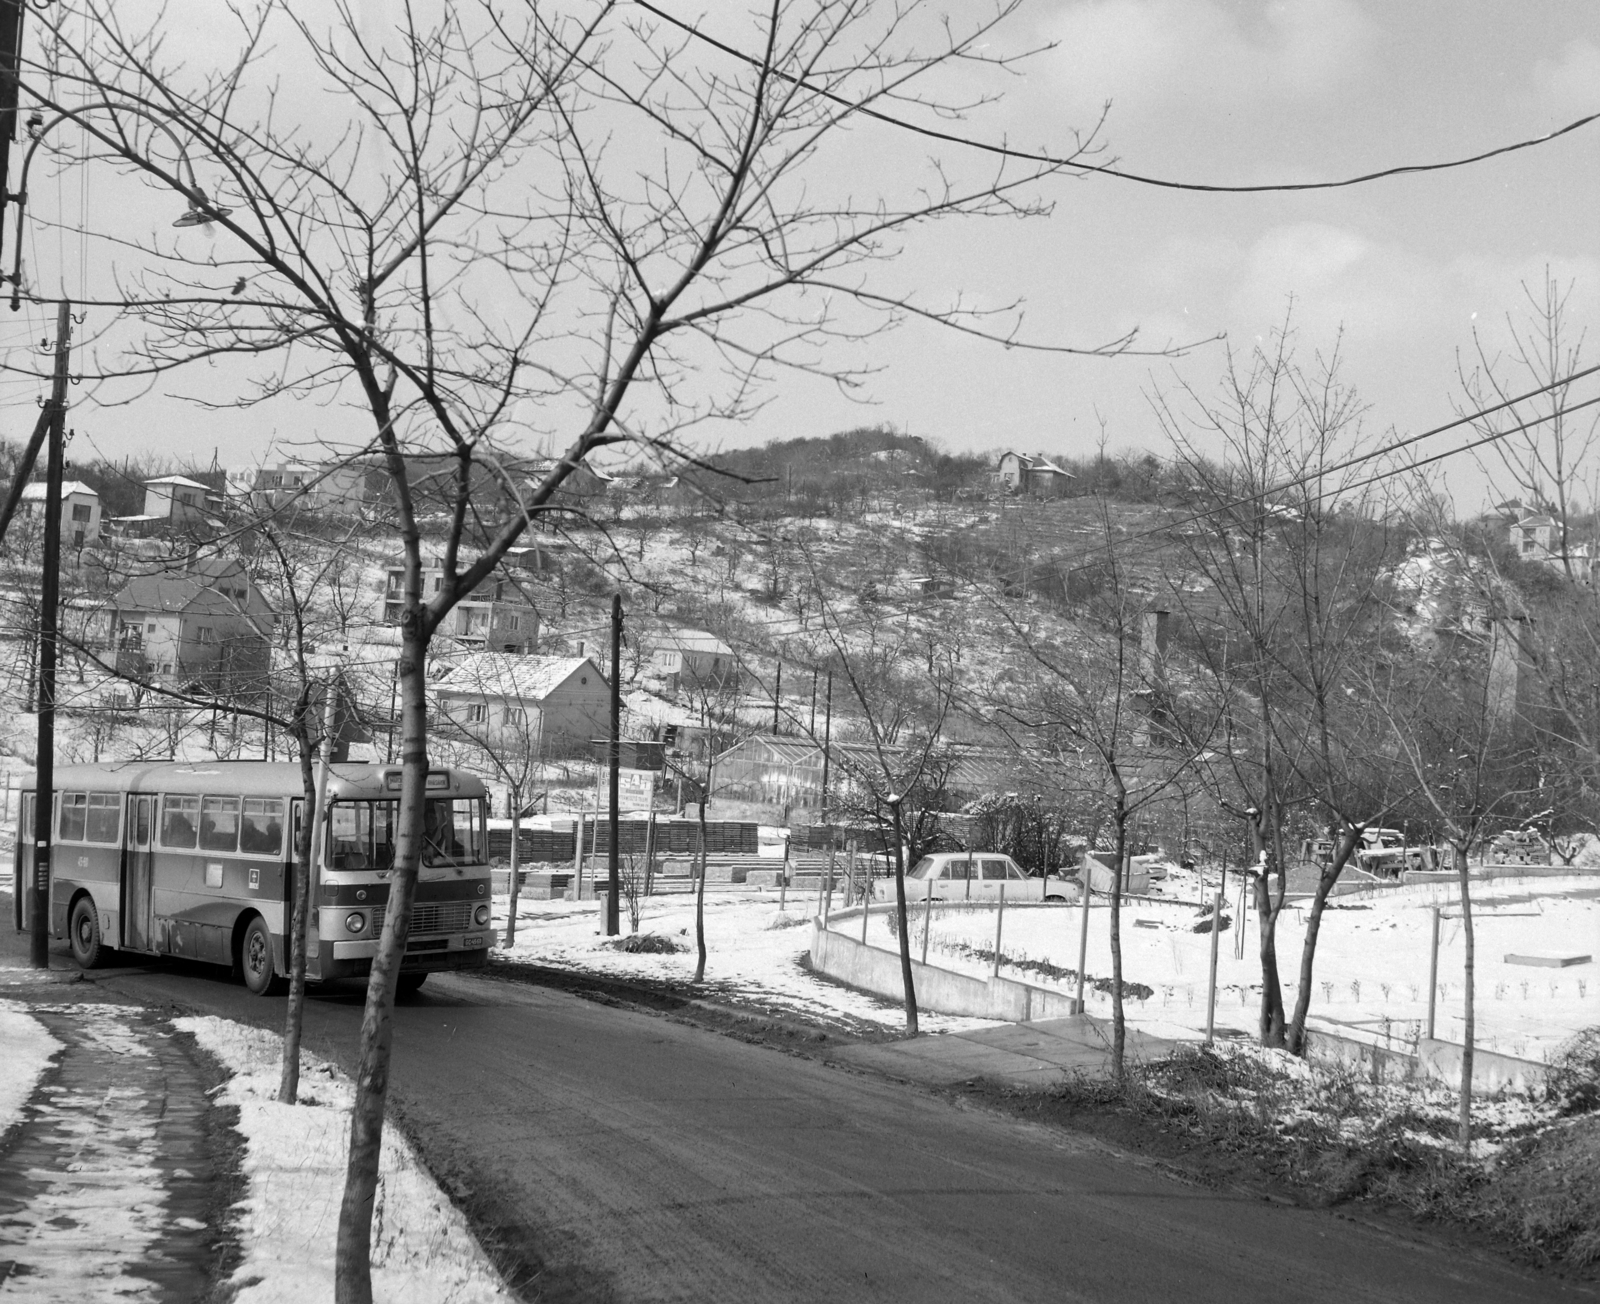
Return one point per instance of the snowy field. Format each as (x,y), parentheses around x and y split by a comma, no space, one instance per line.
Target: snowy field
(1371,967)
(422,1251)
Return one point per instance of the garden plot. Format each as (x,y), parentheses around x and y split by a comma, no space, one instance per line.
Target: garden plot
(1371,970)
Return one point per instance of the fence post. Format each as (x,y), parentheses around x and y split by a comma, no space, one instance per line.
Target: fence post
(999,923)
(577,861)
(1211,989)
(927,915)
(1433,973)
(783,881)
(1083,930)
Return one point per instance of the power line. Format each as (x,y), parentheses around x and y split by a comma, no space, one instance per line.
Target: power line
(1026,156)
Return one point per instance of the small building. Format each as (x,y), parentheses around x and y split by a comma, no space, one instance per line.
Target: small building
(941,587)
(175,498)
(496,616)
(80,511)
(327,488)
(1537,538)
(583,481)
(691,658)
(208,625)
(674,726)
(1034,477)
(553,706)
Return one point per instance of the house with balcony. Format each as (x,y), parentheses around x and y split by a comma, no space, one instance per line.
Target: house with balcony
(206,626)
(496,616)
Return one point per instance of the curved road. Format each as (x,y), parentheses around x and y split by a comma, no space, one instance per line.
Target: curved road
(631,1158)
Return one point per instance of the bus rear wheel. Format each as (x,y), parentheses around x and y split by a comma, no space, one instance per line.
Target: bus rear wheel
(255,959)
(83,927)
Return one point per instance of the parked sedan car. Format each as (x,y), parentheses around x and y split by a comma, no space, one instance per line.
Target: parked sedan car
(974,876)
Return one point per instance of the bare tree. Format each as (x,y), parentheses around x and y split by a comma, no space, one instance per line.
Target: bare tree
(468,240)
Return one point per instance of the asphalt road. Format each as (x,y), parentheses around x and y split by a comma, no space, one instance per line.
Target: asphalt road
(635,1158)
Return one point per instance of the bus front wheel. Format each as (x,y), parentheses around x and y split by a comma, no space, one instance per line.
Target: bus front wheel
(255,958)
(409,985)
(83,927)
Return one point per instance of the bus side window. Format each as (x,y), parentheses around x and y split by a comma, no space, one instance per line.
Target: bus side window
(105,817)
(219,824)
(74,810)
(180,817)
(261,828)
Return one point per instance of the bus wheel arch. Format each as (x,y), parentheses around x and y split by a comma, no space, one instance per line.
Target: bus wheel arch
(89,948)
(252,955)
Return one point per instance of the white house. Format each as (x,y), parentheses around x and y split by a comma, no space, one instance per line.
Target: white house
(551,705)
(1037,477)
(80,511)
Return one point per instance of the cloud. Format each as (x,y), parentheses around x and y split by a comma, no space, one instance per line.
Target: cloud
(1570,83)
(1148,55)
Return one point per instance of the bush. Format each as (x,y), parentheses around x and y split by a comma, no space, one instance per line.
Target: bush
(1573,1078)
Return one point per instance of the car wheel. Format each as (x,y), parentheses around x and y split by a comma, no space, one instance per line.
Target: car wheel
(83,928)
(410,984)
(255,959)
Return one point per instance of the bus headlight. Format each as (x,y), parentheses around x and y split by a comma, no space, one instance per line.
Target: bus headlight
(355,922)
(480,916)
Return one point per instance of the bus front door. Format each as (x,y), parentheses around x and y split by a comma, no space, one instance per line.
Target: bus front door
(136,931)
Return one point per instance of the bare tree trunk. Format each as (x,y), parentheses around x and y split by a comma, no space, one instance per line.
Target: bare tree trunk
(1468,1014)
(1295,1039)
(516,871)
(352,1261)
(1271,1024)
(306,843)
(905,926)
(700,900)
(1119,1022)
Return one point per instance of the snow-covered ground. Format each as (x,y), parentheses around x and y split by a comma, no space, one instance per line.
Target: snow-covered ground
(28,1048)
(1371,968)
(422,1251)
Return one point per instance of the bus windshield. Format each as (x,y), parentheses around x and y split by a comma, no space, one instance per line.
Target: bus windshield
(361,834)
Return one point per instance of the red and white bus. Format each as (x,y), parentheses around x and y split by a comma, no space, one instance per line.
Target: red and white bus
(197,860)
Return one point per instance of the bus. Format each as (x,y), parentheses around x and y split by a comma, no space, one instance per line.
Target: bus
(196,860)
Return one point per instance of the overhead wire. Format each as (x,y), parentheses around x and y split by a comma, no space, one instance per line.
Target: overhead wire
(1104,169)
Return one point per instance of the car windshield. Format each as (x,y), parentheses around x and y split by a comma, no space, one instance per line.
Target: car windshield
(922,869)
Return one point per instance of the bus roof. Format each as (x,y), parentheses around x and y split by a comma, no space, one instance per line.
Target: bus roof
(349,781)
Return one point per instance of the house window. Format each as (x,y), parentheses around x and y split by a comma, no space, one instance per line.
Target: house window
(80,511)
(515,715)
(150,628)
(207,634)
(475,712)
(1529,544)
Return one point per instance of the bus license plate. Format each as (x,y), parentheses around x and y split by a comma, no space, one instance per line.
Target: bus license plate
(472,939)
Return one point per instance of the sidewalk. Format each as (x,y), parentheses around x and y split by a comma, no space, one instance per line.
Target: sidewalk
(1034,1054)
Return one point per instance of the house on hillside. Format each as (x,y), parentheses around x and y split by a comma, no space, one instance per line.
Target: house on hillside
(80,512)
(583,481)
(1537,537)
(675,727)
(207,625)
(692,658)
(328,488)
(1033,477)
(496,616)
(171,502)
(552,705)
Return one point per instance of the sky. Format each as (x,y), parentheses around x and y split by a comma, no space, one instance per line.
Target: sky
(1398,273)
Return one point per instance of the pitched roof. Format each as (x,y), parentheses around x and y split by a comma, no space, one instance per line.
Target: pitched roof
(519,678)
(175,593)
(37,489)
(179,480)
(693,640)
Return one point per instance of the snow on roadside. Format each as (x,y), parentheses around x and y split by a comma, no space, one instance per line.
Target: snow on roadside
(423,1252)
(28,1051)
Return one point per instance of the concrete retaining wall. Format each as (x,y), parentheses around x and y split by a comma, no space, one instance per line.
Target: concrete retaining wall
(1441,1060)
(839,952)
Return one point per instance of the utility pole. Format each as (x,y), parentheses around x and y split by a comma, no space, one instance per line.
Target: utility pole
(777,692)
(613,918)
(827,737)
(49,599)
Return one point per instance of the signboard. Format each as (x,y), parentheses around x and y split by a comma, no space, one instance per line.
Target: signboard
(635,790)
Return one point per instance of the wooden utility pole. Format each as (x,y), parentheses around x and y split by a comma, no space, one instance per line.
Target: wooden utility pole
(613,924)
(827,737)
(49,602)
(777,692)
